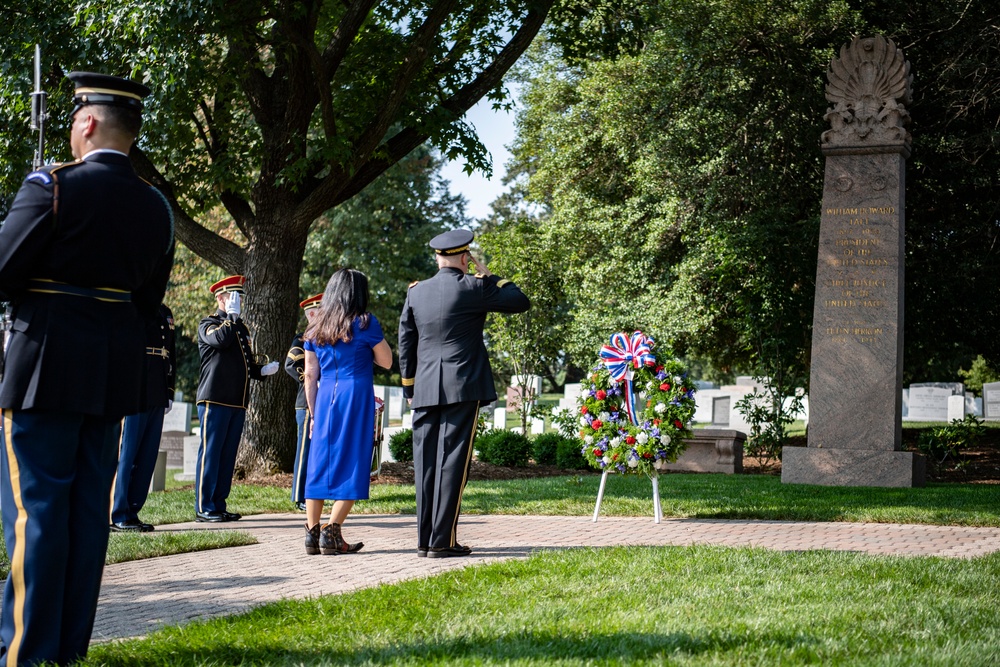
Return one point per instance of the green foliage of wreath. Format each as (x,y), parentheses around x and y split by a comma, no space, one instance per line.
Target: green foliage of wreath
(664,403)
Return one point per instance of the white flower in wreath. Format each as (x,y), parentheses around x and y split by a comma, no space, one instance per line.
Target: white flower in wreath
(664,439)
(607,460)
(659,463)
(633,463)
(642,438)
(615,441)
(584,422)
(660,408)
(651,385)
(589,440)
(604,417)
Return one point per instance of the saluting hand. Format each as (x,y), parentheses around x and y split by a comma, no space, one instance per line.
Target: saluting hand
(480,264)
(233,304)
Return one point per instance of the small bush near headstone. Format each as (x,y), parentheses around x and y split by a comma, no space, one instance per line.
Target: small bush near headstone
(943,445)
(401,445)
(569,457)
(503,448)
(545,448)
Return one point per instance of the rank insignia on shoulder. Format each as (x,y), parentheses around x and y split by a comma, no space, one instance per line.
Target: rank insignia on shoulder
(412,284)
(40,176)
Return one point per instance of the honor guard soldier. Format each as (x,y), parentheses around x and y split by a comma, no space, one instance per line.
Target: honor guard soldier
(446,375)
(141,432)
(85,255)
(295,365)
(228,363)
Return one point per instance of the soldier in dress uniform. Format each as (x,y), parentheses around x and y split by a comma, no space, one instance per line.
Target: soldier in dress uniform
(141,432)
(446,375)
(85,255)
(228,363)
(295,365)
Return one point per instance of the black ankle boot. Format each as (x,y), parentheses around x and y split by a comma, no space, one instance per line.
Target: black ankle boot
(312,540)
(332,542)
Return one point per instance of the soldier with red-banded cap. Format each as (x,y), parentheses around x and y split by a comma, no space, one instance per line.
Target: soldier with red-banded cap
(85,255)
(295,365)
(446,375)
(228,363)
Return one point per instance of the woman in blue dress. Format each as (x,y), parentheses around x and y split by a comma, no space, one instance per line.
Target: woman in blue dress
(341,343)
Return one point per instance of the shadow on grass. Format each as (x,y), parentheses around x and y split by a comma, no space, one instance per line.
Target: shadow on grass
(618,648)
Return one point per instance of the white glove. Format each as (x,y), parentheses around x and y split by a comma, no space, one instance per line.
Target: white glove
(233,304)
(170,406)
(269,368)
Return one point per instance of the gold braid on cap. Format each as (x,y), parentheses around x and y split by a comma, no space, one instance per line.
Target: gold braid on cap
(452,251)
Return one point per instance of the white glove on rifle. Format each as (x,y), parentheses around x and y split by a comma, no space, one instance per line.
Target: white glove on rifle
(233,304)
(269,368)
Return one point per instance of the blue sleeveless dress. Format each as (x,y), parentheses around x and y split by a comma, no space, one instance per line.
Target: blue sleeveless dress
(340,454)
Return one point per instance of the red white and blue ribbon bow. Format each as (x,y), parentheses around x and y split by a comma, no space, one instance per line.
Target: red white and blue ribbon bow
(621,355)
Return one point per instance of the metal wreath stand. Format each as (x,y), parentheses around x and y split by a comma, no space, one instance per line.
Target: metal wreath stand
(657,509)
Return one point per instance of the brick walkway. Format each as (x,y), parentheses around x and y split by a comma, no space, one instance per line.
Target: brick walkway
(141,596)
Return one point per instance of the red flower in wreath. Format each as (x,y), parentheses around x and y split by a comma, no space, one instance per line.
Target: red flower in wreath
(598,452)
(583,410)
(678,424)
(601,394)
(630,440)
(656,422)
(597,424)
(647,455)
(665,386)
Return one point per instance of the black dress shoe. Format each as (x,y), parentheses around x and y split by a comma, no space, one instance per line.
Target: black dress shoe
(421,552)
(209,517)
(129,526)
(448,552)
(231,516)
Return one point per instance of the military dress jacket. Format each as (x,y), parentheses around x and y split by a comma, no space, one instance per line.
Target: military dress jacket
(161,372)
(85,254)
(442,355)
(227,361)
(295,365)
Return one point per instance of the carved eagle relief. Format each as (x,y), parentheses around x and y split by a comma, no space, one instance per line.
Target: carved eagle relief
(868,86)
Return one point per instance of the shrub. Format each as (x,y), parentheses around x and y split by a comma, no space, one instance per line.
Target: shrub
(545,448)
(401,445)
(942,443)
(503,448)
(569,456)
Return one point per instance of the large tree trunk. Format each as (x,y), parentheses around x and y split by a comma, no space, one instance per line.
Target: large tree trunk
(272,311)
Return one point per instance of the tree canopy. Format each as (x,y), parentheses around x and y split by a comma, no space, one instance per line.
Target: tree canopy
(677,165)
(268,113)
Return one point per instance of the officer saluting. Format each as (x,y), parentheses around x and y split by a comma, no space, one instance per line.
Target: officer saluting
(295,365)
(85,253)
(228,364)
(446,374)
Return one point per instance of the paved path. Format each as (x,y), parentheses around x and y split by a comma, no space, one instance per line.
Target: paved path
(140,596)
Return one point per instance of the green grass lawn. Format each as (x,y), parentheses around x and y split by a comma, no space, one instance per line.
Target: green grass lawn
(629,605)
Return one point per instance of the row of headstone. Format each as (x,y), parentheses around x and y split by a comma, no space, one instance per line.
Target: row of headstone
(939,402)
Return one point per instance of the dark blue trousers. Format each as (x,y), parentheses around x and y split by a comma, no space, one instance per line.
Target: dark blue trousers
(136,463)
(221,429)
(301,456)
(55,484)
(442,451)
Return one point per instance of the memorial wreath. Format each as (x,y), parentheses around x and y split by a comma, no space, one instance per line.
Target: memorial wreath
(635,417)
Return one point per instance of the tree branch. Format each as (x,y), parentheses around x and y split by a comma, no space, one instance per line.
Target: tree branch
(206,244)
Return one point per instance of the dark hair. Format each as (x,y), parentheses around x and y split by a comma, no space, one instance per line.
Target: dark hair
(344,300)
(119,119)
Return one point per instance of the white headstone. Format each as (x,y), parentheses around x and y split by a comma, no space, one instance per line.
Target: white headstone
(973,405)
(397,404)
(178,419)
(407,420)
(956,408)
(928,404)
(500,418)
(572,389)
(158,482)
(991,400)
(531,383)
(191,443)
(537,426)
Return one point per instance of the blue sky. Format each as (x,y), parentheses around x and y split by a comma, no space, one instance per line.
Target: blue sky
(496,131)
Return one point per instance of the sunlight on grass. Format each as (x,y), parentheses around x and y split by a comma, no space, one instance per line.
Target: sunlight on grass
(642,606)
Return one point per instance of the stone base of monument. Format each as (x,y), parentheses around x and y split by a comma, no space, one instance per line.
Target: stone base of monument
(712,450)
(852,467)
